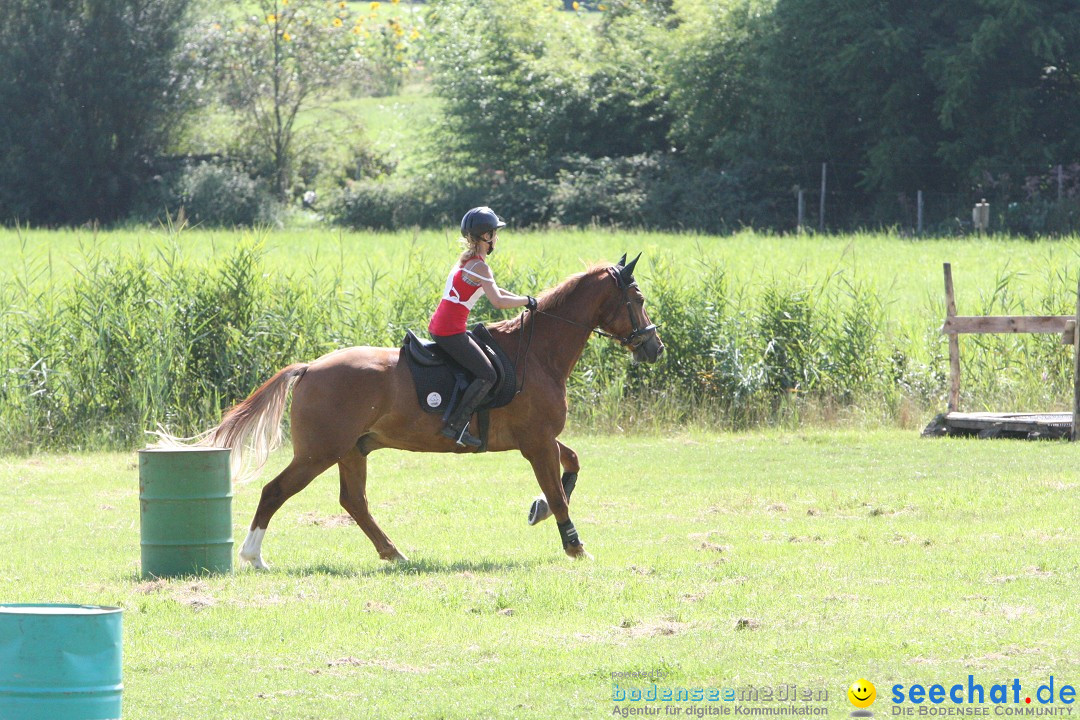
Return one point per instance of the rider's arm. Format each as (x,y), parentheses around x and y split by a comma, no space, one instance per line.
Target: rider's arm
(479,272)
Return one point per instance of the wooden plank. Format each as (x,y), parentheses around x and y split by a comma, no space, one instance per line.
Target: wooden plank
(954,343)
(1012,426)
(975,324)
(1046,418)
(1057,424)
(1068,337)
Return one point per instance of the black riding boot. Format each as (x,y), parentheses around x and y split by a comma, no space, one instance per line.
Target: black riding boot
(457,427)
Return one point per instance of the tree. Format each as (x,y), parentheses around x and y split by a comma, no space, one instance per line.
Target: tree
(894,96)
(89,94)
(276,63)
(526,85)
(1007,75)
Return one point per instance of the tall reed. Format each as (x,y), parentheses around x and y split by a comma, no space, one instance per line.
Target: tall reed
(141,338)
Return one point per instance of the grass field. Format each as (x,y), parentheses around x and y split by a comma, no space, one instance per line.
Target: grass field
(761,559)
(905,272)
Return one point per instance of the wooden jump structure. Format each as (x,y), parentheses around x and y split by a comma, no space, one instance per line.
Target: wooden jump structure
(984,424)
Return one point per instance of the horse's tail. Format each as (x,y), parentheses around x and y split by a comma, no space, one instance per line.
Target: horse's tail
(251,429)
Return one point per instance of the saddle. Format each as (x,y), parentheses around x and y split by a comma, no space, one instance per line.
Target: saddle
(440,380)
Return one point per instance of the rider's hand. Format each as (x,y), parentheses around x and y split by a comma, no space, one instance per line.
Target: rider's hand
(530,302)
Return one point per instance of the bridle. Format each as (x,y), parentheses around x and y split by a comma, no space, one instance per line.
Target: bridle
(637,337)
(638,334)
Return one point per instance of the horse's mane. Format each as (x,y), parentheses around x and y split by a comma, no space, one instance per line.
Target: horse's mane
(555,297)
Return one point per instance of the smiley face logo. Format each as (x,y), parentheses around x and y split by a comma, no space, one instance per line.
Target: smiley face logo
(862,693)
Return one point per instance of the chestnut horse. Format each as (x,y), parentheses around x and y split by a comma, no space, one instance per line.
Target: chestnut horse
(351,402)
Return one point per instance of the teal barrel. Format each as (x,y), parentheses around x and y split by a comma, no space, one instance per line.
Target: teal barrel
(60,662)
(185,497)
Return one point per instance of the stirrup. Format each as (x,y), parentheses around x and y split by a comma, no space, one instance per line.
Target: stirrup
(463,438)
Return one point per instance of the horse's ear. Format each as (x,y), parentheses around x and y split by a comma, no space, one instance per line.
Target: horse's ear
(628,270)
(622,262)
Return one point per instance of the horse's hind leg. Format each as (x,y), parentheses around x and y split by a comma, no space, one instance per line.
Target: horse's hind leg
(539,509)
(290,481)
(353,498)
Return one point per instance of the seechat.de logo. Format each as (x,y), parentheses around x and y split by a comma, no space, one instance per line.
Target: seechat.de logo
(862,695)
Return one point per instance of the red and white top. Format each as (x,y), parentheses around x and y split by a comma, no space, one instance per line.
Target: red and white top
(459,296)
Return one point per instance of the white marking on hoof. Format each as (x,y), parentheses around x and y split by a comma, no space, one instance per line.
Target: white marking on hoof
(539,511)
(251,550)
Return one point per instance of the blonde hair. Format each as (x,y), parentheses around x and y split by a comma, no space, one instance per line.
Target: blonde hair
(470,247)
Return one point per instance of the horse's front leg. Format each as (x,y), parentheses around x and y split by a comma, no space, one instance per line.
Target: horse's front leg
(545,457)
(539,510)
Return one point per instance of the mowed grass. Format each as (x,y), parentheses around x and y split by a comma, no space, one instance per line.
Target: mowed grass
(813,558)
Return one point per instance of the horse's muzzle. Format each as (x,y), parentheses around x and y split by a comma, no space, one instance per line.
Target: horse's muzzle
(650,350)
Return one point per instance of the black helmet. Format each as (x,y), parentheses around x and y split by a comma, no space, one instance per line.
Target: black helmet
(480,220)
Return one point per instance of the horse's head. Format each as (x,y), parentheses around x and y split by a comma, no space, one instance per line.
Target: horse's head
(624,316)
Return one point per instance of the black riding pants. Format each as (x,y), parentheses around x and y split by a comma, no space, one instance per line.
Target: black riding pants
(472,357)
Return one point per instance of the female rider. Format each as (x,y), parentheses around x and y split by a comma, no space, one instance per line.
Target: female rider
(468,276)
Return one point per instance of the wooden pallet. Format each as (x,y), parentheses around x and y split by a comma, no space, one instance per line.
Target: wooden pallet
(1050,425)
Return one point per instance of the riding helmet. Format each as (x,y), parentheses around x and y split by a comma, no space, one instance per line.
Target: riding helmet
(480,220)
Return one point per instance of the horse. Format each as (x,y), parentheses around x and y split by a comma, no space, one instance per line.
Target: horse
(351,402)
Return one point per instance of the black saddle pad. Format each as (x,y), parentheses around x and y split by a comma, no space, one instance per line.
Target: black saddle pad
(440,380)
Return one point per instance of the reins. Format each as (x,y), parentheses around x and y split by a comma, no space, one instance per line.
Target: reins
(528,346)
(637,331)
(627,341)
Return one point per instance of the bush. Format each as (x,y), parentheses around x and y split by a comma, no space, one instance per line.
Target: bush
(373,205)
(390,203)
(221,196)
(213,194)
(78,123)
(651,191)
(606,191)
(1039,217)
(654,191)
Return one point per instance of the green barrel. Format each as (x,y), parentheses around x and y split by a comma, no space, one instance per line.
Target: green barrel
(185,496)
(60,662)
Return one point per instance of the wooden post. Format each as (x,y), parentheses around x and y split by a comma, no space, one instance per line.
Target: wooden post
(1076,369)
(821,209)
(918,214)
(802,211)
(954,343)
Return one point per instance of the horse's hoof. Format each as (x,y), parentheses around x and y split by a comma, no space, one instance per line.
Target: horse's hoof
(539,510)
(395,557)
(578,552)
(255,562)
